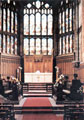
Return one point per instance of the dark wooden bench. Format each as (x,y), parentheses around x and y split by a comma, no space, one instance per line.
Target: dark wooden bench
(74,112)
(7,91)
(10,92)
(7,112)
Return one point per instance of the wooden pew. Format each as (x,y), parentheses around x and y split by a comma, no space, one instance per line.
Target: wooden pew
(13,91)
(74,111)
(7,112)
(7,90)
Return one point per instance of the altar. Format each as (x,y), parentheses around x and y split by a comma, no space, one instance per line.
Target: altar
(38,77)
(38,69)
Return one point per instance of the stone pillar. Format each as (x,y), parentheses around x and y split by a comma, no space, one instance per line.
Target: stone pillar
(21,32)
(82,47)
(21,42)
(55,40)
(0,65)
(55,31)
(76,35)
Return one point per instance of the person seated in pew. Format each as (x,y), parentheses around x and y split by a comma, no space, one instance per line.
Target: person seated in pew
(60,91)
(14,90)
(9,82)
(66,87)
(1,88)
(76,93)
(65,82)
(60,88)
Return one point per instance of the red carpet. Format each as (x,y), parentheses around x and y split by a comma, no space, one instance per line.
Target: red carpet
(36,102)
(39,102)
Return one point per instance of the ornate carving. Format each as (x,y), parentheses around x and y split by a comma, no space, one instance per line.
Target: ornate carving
(38,58)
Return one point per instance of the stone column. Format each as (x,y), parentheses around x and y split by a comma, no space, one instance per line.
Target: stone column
(55,39)
(21,38)
(76,28)
(82,44)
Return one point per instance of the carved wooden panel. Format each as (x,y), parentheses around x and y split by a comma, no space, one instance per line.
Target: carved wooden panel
(80,72)
(9,65)
(65,65)
(35,63)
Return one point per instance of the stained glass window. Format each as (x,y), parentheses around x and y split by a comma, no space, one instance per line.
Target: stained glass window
(67,20)
(38,46)
(60,23)
(26,47)
(16,23)
(47,5)
(4,43)
(12,45)
(12,22)
(25,11)
(36,24)
(38,19)
(66,16)
(50,24)
(15,46)
(63,22)
(0,18)
(26,23)
(44,30)
(44,48)
(8,25)
(8,20)
(63,45)
(38,4)
(8,44)
(67,44)
(50,46)
(0,42)
(29,5)
(60,46)
(38,16)
(4,19)
(32,46)
(32,24)
(71,49)
(70,19)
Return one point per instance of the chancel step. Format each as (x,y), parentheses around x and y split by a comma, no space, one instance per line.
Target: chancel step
(38,89)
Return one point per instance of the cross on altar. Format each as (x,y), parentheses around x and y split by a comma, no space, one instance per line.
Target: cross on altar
(38,78)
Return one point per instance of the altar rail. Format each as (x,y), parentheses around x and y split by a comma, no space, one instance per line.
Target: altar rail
(38,87)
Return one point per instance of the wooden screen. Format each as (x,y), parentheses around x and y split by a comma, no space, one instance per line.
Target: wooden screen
(38,66)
